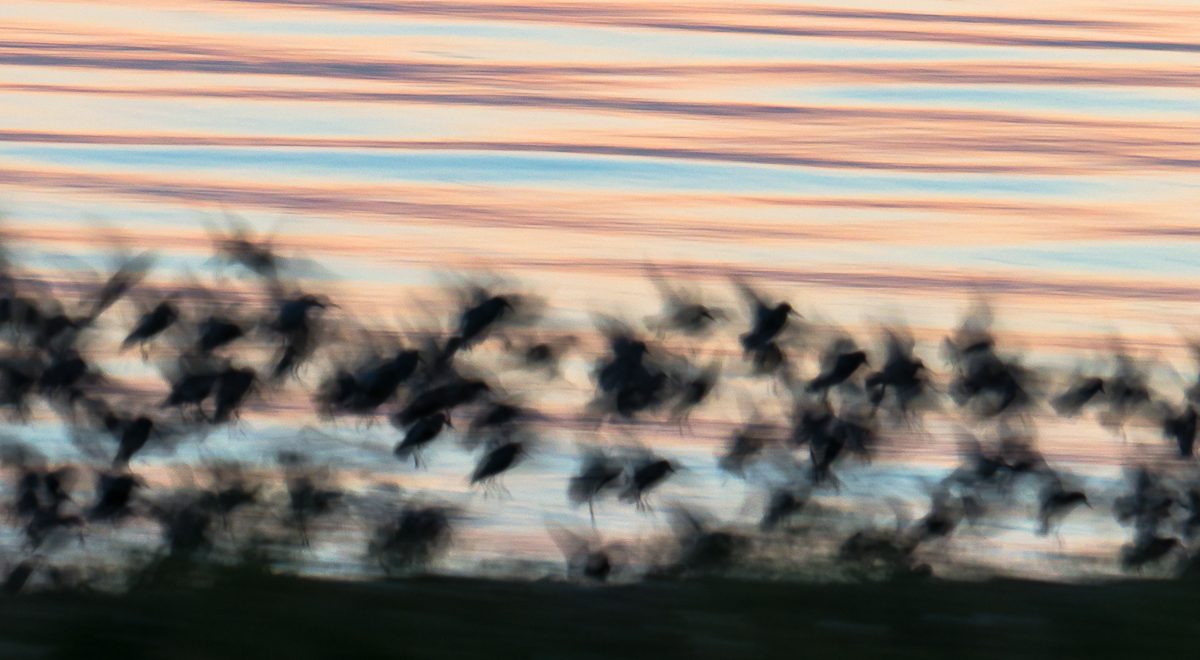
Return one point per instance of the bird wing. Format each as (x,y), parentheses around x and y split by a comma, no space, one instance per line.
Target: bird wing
(756,303)
(571,544)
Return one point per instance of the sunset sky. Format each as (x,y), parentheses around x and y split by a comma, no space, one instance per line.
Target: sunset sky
(869,163)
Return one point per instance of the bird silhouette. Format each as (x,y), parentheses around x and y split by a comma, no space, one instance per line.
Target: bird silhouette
(420,434)
(767,320)
(646,475)
(598,473)
(497,461)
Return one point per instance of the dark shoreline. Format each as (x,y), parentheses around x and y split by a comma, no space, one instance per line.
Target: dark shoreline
(240,615)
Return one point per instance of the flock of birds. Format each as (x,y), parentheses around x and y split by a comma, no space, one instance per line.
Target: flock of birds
(217,359)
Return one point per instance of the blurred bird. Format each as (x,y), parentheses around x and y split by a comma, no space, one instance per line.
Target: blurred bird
(420,434)
(412,539)
(587,559)
(496,462)
(1056,502)
(767,321)
(840,362)
(646,475)
(150,325)
(114,494)
(682,311)
(598,473)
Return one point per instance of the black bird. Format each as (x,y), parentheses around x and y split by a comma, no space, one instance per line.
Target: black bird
(627,363)
(597,473)
(412,539)
(903,374)
(746,444)
(587,559)
(424,431)
(1147,549)
(18,378)
(377,383)
(770,360)
(1127,393)
(945,512)
(701,548)
(783,503)
(647,392)
(768,321)
(682,312)
(497,461)
(193,385)
(1179,426)
(443,397)
(58,332)
(1056,502)
(127,276)
(292,315)
(337,393)
(233,385)
(114,493)
(241,248)
(646,476)
(16,579)
(1148,506)
(46,521)
(151,324)
(64,374)
(308,500)
(629,383)
(994,385)
(186,523)
(228,493)
(1080,393)
(41,488)
(695,385)
(132,434)
(217,331)
(978,467)
(479,318)
(500,419)
(840,362)
(827,436)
